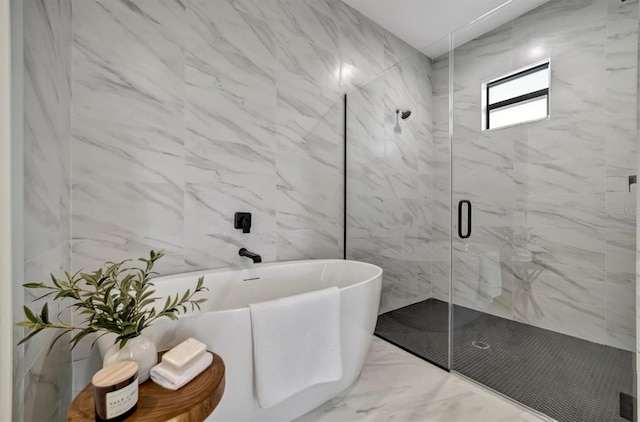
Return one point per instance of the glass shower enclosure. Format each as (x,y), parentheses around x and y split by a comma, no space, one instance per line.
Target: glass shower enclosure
(503,207)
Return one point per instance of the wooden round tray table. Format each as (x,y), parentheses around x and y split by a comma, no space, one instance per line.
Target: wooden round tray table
(192,403)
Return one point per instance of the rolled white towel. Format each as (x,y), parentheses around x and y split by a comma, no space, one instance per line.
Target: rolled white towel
(165,377)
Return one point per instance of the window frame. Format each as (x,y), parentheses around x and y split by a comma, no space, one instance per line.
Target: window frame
(518,73)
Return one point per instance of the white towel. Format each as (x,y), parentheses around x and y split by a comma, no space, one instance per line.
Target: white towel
(296,344)
(165,377)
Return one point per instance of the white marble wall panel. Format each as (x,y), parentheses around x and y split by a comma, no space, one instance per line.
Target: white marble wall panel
(482,164)
(620,328)
(307,244)
(389,181)
(483,270)
(619,260)
(190,111)
(621,146)
(440,278)
(620,151)
(308,61)
(128,91)
(47,374)
(561,183)
(636,355)
(47,97)
(309,189)
(47,392)
(364,50)
(567,317)
(621,88)
(571,212)
(56,261)
(230,103)
(128,131)
(441,180)
(42,377)
(400,284)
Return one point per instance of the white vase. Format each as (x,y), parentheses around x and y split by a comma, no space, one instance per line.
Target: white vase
(141,350)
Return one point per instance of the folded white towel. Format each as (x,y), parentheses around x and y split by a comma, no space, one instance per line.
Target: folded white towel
(296,344)
(172,380)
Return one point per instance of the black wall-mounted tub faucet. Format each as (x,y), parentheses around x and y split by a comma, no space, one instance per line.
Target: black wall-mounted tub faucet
(253,256)
(242,220)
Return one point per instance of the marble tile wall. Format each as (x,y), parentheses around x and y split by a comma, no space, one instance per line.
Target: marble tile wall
(43,378)
(556,188)
(190,111)
(441,237)
(389,183)
(637,354)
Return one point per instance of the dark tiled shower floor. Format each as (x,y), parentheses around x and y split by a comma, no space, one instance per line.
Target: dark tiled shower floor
(564,377)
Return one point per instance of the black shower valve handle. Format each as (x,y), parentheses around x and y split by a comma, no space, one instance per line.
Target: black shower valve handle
(242,220)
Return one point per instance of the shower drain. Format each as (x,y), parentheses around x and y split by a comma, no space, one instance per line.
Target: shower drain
(480,344)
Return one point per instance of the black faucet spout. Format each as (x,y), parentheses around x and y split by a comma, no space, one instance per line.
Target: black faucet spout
(253,256)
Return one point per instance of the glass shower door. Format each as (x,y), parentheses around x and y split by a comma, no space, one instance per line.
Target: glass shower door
(543,207)
(392,192)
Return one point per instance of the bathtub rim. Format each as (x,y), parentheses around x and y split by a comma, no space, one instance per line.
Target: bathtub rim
(106,341)
(197,273)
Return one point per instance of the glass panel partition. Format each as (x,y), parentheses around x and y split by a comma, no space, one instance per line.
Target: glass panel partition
(508,253)
(543,287)
(395,188)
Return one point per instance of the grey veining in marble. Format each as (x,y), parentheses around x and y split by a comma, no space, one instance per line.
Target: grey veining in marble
(42,377)
(47,124)
(389,184)
(395,385)
(637,255)
(192,110)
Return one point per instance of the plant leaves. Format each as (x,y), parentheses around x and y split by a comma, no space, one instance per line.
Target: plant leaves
(44,314)
(30,315)
(118,299)
(30,335)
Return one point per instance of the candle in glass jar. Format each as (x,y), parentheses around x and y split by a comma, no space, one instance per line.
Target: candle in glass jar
(115,390)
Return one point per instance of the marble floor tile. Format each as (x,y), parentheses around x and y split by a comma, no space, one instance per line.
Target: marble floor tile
(395,385)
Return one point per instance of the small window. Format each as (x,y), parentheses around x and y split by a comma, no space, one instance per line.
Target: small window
(519,97)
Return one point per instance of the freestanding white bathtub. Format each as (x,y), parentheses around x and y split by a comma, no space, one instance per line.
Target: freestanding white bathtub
(224,324)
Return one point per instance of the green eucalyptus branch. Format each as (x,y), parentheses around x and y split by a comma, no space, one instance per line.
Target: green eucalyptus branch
(117,300)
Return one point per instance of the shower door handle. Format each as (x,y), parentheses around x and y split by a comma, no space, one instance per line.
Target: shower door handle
(460,204)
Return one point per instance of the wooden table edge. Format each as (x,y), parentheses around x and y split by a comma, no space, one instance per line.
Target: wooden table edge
(192,403)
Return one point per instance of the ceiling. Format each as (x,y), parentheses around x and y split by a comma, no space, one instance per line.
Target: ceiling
(426,24)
